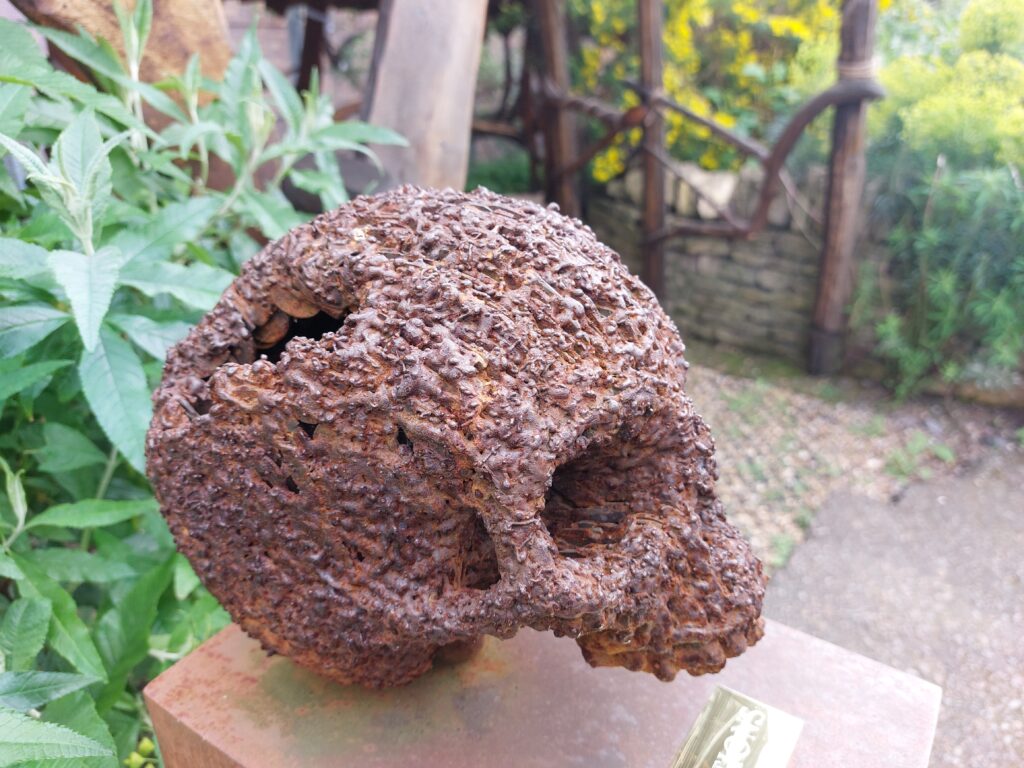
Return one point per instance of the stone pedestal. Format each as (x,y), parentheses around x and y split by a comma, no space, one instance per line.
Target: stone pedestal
(528,702)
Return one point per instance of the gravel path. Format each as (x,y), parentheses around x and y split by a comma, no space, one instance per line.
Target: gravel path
(932,584)
(785,445)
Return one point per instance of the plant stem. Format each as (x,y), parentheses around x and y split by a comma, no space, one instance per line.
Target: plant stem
(108,473)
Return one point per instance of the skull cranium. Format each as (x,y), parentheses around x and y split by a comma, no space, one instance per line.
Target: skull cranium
(429,416)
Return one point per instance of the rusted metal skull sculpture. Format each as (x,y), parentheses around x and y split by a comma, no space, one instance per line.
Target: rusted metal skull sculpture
(428,416)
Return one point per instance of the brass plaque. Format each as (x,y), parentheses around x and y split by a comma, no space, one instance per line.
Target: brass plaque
(736,731)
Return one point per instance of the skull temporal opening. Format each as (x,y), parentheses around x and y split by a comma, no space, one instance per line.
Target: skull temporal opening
(428,416)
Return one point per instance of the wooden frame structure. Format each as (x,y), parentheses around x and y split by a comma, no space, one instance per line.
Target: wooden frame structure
(849,97)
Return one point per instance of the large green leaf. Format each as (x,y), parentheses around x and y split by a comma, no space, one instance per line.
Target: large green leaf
(116,389)
(30,690)
(23,738)
(92,513)
(14,380)
(197,285)
(16,41)
(66,449)
(153,336)
(8,569)
(23,631)
(122,633)
(89,282)
(173,224)
(68,635)
(20,260)
(85,50)
(76,565)
(272,212)
(22,326)
(77,711)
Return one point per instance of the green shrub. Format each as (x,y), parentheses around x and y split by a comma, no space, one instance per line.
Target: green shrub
(995,26)
(110,249)
(973,114)
(509,174)
(954,304)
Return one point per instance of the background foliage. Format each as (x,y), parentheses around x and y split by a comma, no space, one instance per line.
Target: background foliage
(734,61)
(112,243)
(947,145)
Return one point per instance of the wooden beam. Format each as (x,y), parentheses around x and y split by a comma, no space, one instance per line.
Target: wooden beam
(653,220)
(845,188)
(559,126)
(425,63)
(312,45)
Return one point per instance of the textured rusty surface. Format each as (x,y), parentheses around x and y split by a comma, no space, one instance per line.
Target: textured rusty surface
(430,416)
(529,702)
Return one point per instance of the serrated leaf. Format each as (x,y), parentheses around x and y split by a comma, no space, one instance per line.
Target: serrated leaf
(196,285)
(77,711)
(20,260)
(85,50)
(22,326)
(66,449)
(68,635)
(17,41)
(89,282)
(76,147)
(23,630)
(92,513)
(115,386)
(14,381)
(23,738)
(30,690)
(153,336)
(76,565)
(34,167)
(175,223)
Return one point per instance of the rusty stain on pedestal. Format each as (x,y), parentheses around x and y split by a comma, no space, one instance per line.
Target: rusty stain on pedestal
(527,702)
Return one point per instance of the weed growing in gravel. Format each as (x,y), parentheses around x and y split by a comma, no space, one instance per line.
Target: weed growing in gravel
(910,462)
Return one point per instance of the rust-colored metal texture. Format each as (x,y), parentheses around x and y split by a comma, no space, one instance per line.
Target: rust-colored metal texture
(430,416)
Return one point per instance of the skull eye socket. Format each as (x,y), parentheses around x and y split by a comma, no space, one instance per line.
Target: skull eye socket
(272,337)
(587,507)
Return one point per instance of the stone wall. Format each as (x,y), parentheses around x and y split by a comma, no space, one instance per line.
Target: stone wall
(753,294)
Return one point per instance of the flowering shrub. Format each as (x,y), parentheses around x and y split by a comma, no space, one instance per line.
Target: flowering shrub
(730,61)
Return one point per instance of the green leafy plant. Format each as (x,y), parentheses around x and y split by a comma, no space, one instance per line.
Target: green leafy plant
(946,301)
(953,299)
(113,242)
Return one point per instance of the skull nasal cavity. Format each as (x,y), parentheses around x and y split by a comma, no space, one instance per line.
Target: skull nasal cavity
(273,337)
(586,507)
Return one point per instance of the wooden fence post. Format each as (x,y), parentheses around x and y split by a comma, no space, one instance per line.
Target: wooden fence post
(846,185)
(559,129)
(649,14)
